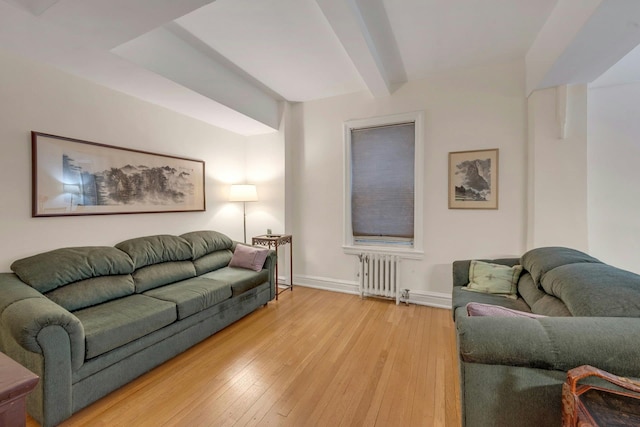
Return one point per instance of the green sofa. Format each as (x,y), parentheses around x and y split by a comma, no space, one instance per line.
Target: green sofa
(88,320)
(512,368)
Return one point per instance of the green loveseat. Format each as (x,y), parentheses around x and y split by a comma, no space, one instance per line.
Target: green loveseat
(512,368)
(88,320)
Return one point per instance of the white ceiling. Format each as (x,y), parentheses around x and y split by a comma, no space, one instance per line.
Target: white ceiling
(627,70)
(230,62)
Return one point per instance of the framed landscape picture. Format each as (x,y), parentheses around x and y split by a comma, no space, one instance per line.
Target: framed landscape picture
(473,179)
(75,177)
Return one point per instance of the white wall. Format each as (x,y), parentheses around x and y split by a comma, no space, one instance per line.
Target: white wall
(41,98)
(557,178)
(465,110)
(614,175)
(265,167)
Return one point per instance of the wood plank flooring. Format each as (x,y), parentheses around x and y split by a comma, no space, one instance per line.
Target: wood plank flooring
(313,358)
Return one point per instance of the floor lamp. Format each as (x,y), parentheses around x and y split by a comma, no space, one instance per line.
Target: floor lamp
(243,193)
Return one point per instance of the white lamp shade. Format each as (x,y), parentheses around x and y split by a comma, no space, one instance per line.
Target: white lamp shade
(71,188)
(243,193)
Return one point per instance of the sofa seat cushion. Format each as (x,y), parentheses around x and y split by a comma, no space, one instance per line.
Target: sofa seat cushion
(595,290)
(240,279)
(156,275)
(115,323)
(193,295)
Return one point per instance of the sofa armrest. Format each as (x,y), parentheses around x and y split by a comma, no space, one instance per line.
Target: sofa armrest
(28,317)
(557,343)
(270,264)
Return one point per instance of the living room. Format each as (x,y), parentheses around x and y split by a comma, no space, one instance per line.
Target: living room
(566,143)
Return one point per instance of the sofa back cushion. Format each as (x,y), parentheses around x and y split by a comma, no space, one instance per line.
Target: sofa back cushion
(528,290)
(50,270)
(540,261)
(213,261)
(151,250)
(206,242)
(538,300)
(88,292)
(595,290)
(156,275)
(551,306)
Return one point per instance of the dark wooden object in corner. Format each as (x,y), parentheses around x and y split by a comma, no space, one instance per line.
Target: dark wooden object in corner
(585,405)
(16,382)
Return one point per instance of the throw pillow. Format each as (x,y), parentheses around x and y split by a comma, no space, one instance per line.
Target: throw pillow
(478,309)
(492,278)
(249,257)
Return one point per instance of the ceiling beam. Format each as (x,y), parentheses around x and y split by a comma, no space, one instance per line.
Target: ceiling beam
(369,42)
(35,7)
(172,52)
(27,35)
(109,23)
(581,40)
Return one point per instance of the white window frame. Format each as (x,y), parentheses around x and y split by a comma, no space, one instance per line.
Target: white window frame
(349,246)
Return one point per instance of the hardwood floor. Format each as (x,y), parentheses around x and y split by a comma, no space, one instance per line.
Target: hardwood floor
(314,358)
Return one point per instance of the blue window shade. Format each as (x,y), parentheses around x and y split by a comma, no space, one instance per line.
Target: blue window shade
(382,184)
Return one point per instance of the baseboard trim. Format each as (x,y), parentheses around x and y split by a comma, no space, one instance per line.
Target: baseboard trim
(326,284)
(431,299)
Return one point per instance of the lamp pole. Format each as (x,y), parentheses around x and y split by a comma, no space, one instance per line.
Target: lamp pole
(243,193)
(244,223)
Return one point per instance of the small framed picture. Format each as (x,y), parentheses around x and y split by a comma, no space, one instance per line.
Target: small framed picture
(473,179)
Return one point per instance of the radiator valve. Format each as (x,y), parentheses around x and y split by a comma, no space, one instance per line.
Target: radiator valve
(405,296)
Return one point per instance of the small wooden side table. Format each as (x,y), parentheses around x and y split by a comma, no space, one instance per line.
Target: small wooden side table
(16,382)
(273,241)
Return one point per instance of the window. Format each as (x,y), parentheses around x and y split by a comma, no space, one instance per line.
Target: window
(383,183)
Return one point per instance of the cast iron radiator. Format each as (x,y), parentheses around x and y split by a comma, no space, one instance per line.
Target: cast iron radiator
(379,275)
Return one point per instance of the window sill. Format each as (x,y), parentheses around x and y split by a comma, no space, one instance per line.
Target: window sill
(402,252)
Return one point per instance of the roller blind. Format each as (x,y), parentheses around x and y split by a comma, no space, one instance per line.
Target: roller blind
(382,183)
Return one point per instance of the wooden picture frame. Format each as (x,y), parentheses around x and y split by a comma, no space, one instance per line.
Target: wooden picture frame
(72,177)
(473,179)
